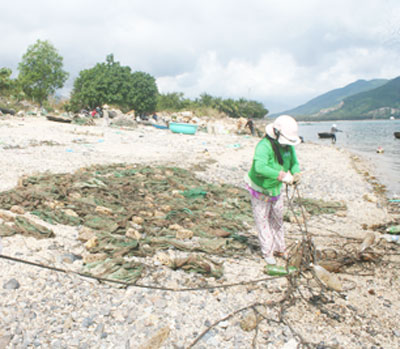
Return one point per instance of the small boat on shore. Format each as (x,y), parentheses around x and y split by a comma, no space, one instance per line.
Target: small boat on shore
(397,135)
(59,118)
(184,128)
(326,135)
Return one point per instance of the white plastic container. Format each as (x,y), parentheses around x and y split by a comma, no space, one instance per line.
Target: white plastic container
(391,238)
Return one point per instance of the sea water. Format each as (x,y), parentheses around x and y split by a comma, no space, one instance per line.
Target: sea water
(363,138)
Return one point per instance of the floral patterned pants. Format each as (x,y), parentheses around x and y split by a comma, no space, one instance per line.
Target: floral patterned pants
(268,217)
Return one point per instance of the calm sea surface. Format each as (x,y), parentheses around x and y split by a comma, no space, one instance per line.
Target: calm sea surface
(363,138)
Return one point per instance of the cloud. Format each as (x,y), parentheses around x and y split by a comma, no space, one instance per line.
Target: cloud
(268,76)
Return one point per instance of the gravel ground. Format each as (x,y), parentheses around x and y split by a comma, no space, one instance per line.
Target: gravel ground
(42,308)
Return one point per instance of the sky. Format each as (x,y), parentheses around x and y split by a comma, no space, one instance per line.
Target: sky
(281,53)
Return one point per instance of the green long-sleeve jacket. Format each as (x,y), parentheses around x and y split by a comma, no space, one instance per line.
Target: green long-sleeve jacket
(264,172)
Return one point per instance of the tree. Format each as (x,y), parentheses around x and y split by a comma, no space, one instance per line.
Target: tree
(40,71)
(251,109)
(6,84)
(104,83)
(172,101)
(143,93)
(111,83)
(206,100)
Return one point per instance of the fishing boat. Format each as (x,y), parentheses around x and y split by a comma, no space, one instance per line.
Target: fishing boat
(397,135)
(326,135)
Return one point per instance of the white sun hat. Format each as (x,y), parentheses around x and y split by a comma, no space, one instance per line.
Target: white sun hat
(284,129)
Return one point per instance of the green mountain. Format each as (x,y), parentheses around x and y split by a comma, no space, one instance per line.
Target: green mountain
(333,99)
(379,103)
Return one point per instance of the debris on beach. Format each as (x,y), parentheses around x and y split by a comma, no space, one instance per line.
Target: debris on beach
(367,242)
(394,229)
(330,280)
(391,227)
(391,238)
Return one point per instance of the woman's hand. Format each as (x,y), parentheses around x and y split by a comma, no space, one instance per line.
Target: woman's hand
(288,179)
(285,177)
(281,175)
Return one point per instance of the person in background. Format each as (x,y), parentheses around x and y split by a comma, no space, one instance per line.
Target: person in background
(99,112)
(250,125)
(334,129)
(274,163)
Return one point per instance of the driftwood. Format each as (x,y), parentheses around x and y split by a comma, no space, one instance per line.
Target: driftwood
(59,118)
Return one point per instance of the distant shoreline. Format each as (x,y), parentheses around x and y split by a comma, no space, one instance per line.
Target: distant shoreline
(336,121)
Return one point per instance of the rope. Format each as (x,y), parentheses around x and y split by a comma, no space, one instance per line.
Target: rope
(126,284)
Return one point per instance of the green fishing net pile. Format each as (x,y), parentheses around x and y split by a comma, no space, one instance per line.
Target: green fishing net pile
(109,199)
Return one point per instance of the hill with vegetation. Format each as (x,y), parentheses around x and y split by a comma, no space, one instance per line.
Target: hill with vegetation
(333,99)
(379,103)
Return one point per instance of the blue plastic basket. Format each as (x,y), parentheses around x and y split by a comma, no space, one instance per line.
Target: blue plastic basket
(188,129)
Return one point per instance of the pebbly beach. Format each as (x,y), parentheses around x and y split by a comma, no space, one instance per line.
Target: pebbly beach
(245,308)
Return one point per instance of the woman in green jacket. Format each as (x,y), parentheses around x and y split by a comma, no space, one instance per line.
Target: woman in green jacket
(274,163)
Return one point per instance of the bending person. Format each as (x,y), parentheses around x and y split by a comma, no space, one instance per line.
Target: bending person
(274,163)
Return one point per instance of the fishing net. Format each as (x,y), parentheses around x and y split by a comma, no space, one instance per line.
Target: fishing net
(126,212)
(136,211)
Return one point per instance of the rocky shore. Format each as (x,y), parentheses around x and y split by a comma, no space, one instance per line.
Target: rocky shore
(43,308)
